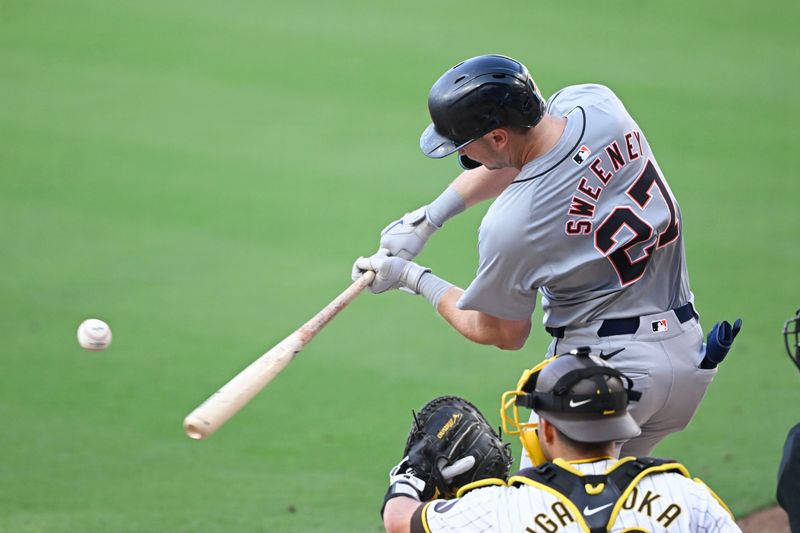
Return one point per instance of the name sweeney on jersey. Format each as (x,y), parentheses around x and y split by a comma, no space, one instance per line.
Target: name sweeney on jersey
(583,204)
(559,516)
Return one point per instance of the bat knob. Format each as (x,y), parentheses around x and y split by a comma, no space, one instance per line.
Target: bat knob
(195,428)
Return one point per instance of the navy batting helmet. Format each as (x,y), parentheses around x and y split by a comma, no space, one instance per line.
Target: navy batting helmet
(475,97)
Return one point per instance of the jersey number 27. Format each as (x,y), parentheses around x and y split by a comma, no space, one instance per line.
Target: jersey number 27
(605,237)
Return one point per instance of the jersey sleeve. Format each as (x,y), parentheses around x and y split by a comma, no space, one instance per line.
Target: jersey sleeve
(475,512)
(568,98)
(714,516)
(502,286)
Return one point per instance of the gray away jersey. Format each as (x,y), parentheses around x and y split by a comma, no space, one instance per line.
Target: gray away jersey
(592,224)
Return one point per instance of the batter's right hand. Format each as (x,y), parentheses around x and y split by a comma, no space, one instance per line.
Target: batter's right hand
(406,237)
(390,272)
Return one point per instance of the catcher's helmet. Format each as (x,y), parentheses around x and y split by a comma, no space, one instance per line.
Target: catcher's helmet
(475,97)
(580,394)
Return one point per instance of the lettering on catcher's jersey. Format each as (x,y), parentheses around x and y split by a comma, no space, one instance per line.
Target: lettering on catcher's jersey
(596,499)
(646,495)
(643,504)
(559,517)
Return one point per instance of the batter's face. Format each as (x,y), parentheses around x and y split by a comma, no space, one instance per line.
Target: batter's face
(488,150)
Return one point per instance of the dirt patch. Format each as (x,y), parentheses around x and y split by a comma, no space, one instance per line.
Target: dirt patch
(770,520)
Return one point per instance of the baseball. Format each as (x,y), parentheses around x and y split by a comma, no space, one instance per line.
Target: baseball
(94,335)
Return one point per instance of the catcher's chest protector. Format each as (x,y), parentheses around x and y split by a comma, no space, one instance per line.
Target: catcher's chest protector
(598,498)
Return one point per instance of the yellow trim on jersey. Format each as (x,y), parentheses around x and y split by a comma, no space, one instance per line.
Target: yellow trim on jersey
(491,481)
(619,463)
(592,460)
(594,490)
(424,517)
(561,497)
(566,466)
(714,494)
(623,497)
(646,472)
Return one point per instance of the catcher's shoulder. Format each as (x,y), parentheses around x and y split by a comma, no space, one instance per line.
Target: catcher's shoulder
(480,484)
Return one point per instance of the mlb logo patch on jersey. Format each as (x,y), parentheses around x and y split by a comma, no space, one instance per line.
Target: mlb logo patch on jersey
(581,155)
(659,326)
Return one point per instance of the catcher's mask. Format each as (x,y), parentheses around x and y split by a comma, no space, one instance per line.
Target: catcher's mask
(791,336)
(580,394)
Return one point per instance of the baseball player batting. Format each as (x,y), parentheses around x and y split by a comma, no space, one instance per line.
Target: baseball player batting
(582,215)
(583,407)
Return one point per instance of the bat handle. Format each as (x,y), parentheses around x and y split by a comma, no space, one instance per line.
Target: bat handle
(308,330)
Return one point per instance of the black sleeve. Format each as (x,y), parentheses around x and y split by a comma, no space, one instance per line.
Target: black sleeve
(416,520)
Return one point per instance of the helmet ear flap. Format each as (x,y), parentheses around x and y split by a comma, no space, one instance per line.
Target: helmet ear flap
(467,163)
(530,442)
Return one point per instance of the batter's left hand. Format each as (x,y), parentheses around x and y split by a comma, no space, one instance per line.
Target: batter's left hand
(406,237)
(390,272)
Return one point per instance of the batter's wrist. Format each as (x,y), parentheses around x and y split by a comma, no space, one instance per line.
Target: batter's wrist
(445,207)
(432,287)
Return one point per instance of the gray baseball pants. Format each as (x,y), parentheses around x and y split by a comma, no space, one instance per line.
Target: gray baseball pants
(662,359)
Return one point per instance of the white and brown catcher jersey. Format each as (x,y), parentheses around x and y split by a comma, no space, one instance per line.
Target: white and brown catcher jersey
(658,502)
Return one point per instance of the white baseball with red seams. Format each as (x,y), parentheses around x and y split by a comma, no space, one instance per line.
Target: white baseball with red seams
(94,335)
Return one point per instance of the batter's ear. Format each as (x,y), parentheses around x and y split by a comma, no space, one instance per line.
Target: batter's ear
(498,138)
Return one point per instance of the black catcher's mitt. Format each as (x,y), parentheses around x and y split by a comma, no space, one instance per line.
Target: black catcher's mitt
(446,432)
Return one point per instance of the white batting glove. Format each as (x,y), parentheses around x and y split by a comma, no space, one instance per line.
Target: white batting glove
(390,273)
(406,237)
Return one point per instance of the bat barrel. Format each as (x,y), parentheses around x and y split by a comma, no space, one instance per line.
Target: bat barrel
(235,394)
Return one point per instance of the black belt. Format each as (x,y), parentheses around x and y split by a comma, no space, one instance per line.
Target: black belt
(626,326)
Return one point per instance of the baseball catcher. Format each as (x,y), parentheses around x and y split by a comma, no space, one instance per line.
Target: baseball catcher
(583,404)
(449,445)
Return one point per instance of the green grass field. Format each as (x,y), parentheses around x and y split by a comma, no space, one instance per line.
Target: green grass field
(202,174)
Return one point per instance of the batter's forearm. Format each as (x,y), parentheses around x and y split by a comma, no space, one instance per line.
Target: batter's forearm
(480,327)
(474,325)
(480,184)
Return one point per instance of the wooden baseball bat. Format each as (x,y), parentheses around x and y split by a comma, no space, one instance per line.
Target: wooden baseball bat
(226,402)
